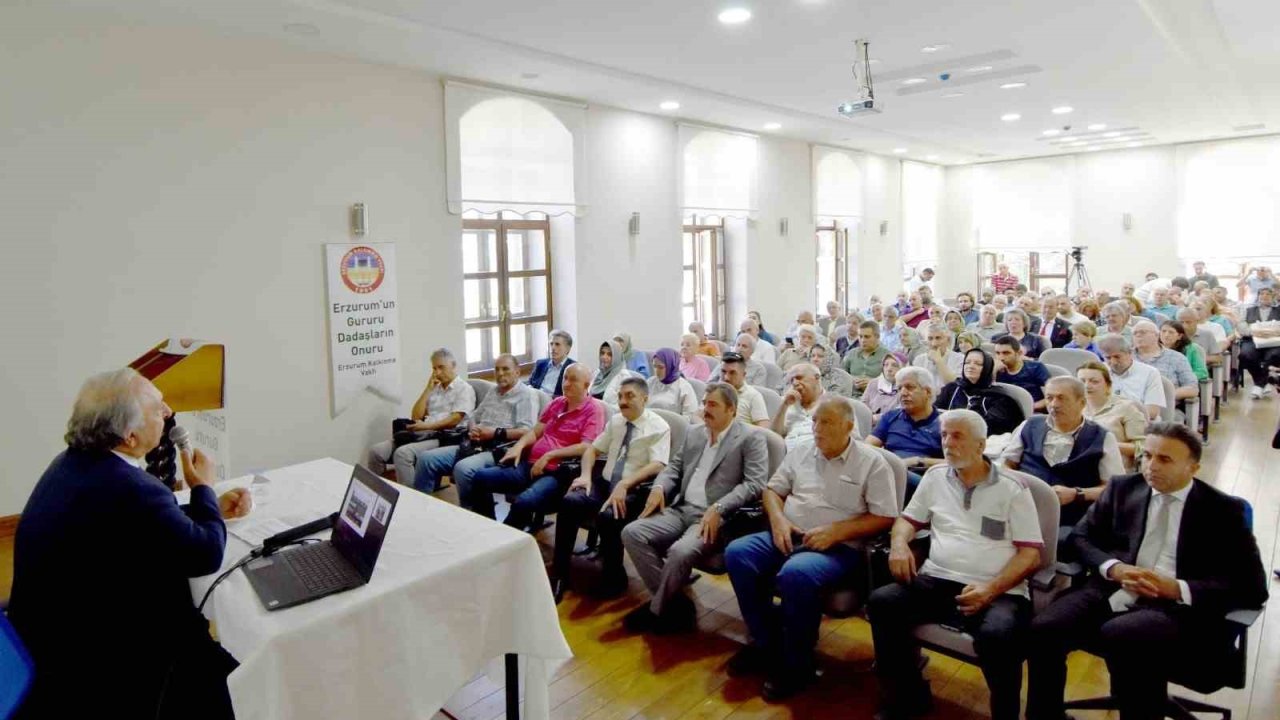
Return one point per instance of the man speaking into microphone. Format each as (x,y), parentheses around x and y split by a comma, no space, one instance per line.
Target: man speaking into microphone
(102,557)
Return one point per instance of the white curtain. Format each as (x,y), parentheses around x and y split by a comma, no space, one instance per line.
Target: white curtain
(921,202)
(1229,198)
(718,172)
(1024,205)
(837,183)
(508,151)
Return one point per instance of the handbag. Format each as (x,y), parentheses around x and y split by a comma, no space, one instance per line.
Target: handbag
(401,435)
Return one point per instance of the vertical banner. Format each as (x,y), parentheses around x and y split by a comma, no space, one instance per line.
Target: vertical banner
(364,322)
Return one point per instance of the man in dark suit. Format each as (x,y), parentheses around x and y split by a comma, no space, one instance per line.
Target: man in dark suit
(548,372)
(723,466)
(1172,556)
(102,558)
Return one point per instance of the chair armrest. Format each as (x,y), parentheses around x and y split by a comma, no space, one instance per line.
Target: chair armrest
(1043,578)
(1243,618)
(1070,569)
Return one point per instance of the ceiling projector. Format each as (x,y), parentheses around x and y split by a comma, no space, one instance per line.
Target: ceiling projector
(866,102)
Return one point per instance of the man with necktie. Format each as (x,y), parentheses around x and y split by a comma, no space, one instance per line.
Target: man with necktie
(1171,556)
(635,444)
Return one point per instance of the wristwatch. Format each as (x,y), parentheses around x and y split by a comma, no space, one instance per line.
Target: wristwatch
(1079,495)
(719,508)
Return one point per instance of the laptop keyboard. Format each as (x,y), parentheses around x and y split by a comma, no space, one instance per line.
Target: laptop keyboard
(321,567)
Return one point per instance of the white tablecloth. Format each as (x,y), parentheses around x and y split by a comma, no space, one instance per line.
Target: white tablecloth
(451,593)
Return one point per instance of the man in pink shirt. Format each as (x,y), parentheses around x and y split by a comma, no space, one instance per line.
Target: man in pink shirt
(565,430)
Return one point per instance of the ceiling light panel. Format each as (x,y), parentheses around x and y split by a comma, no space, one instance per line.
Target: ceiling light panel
(936,83)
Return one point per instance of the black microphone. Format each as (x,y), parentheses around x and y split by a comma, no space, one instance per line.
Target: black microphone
(180,438)
(281,539)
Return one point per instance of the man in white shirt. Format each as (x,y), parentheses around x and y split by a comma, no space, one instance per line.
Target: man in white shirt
(830,494)
(794,419)
(756,374)
(636,444)
(1130,379)
(751,406)
(445,402)
(1172,555)
(764,351)
(941,362)
(985,542)
(925,278)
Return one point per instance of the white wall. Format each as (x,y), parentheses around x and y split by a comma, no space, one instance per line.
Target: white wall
(781,271)
(880,256)
(163,183)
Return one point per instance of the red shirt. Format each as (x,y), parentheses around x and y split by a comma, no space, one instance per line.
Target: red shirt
(563,427)
(1003,284)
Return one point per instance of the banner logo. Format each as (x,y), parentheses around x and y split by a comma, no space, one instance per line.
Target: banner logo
(362,269)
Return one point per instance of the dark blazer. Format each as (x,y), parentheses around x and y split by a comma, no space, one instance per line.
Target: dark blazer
(739,472)
(1217,552)
(102,557)
(540,373)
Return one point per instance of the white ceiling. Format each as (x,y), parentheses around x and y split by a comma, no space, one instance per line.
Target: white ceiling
(1178,70)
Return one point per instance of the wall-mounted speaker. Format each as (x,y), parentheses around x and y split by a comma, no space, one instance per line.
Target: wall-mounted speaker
(633,225)
(784,227)
(884,228)
(359,220)
(1127,221)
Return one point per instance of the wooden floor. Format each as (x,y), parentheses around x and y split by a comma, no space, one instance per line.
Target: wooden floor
(615,675)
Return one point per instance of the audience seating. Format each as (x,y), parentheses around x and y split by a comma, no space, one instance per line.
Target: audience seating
(1069,359)
(482,389)
(699,389)
(1019,395)
(847,599)
(1056,370)
(772,400)
(16,669)
(865,420)
(773,375)
(750,518)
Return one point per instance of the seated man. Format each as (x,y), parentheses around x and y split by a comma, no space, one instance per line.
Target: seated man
(637,444)
(1171,363)
(722,467)
(764,351)
(1253,359)
(548,372)
(1133,380)
(443,405)
(705,346)
(829,495)
(506,414)
(964,306)
(565,430)
(865,361)
(1015,369)
(1171,556)
(833,319)
(942,363)
(1074,455)
(102,560)
(794,419)
(755,372)
(987,325)
(985,543)
(912,431)
(751,407)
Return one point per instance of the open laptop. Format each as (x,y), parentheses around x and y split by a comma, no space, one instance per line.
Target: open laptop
(344,561)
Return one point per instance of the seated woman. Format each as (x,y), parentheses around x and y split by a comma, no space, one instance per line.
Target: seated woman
(955,325)
(1173,335)
(607,380)
(833,378)
(972,391)
(1082,335)
(806,340)
(693,364)
(632,360)
(1123,417)
(881,394)
(968,340)
(765,335)
(668,390)
(1017,325)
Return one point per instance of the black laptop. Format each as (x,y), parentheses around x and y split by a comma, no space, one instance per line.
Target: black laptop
(344,561)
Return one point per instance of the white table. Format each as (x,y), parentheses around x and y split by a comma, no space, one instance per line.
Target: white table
(452,592)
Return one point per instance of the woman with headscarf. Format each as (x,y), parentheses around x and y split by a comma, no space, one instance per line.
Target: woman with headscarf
(881,394)
(832,378)
(668,390)
(972,391)
(968,340)
(607,380)
(693,365)
(955,325)
(632,360)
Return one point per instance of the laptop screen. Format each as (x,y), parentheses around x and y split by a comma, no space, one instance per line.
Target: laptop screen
(363,519)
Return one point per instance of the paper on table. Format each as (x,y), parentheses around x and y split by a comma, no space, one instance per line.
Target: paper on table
(254,530)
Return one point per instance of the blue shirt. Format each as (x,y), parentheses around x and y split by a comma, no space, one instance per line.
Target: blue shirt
(905,437)
(1031,378)
(972,316)
(552,378)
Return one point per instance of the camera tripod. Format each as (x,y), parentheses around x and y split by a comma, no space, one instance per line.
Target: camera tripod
(1077,274)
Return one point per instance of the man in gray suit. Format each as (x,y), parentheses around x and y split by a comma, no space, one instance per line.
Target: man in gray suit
(723,466)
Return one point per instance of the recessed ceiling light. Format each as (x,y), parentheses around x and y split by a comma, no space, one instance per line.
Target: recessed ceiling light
(1051,132)
(773,126)
(735,16)
(899,151)
(301,29)
(529,76)
(1098,126)
(1011,117)
(1062,109)
(1092,148)
(1013,85)
(1113,133)
(979,69)
(930,157)
(933,48)
(954,95)
(914,81)
(670,105)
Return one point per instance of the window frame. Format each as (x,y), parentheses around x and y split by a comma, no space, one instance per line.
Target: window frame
(719,277)
(842,265)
